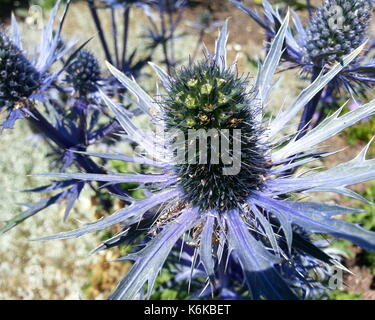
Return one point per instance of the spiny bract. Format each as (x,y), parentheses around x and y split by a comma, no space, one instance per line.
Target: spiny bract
(337,28)
(84,72)
(18,77)
(205,97)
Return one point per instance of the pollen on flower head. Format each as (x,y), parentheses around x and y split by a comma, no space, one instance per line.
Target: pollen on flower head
(337,28)
(217,107)
(84,72)
(18,77)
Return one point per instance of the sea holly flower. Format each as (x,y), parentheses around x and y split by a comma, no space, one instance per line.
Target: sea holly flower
(84,73)
(336,28)
(84,78)
(24,78)
(18,77)
(248,218)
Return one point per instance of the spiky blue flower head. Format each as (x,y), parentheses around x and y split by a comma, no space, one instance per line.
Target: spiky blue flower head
(24,78)
(253,222)
(83,73)
(336,29)
(18,77)
(205,96)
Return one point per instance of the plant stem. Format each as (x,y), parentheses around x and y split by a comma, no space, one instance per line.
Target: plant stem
(98,25)
(309,8)
(114,31)
(171,24)
(199,41)
(126,31)
(310,108)
(42,124)
(164,37)
(103,132)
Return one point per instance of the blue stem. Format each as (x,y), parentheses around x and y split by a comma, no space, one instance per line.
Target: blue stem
(310,108)
(114,31)
(309,8)
(126,31)
(98,25)
(164,35)
(66,143)
(103,132)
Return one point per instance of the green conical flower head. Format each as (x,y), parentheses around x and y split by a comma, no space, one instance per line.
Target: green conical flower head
(204,97)
(18,77)
(337,28)
(84,72)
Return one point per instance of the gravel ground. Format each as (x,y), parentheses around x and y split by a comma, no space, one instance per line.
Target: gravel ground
(32,269)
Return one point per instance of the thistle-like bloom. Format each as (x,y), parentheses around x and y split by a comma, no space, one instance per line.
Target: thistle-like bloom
(18,77)
(249,214)
(24,78)
(337,28)
(84,73)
